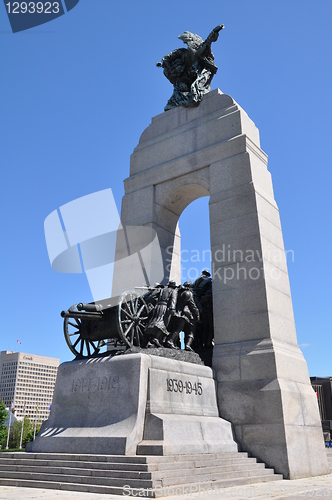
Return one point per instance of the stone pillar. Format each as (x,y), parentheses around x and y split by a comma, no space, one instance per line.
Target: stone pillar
(263,382)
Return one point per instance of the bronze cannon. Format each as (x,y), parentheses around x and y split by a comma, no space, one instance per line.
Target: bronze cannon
(155,318)
(89,327)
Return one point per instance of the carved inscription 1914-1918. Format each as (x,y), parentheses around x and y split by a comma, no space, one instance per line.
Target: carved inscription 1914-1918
(95,384)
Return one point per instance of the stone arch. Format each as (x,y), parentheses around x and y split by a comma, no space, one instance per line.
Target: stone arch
(170,203)
(179,198)
(261,374)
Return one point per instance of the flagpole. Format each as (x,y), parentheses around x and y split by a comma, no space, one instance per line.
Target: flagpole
(34,432)
(10,420)
(21,438)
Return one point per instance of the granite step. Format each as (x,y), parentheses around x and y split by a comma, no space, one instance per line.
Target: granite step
(25,462)
(207,463)
(137,467)
(210,488)
(206,487)
(74,471)
(68,478)
(216,469)
(87,488)
(82,458)
(136,459)
(217,477)
(329,458)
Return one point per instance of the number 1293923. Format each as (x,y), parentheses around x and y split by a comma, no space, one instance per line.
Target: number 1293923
(33,7)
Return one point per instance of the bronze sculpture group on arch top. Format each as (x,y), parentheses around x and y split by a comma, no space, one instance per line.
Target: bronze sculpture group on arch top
(190,70)
(154,318)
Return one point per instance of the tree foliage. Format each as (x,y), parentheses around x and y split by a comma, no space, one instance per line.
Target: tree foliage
(3,428)
(15,431)
(3,413)
(3,436)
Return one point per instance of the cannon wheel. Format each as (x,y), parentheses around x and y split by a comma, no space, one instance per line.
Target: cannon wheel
(132,318)
(82,348)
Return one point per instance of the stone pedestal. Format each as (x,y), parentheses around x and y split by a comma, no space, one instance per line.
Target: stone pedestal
(263,382)
(133,404)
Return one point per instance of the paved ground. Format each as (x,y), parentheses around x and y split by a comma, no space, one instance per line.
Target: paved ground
(299,489)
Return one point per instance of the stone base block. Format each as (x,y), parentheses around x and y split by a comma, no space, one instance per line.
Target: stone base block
(120,405)
(183,435)
(265,391)
(96,407)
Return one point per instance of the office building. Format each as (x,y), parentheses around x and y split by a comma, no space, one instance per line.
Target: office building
(323,388)
(27,381)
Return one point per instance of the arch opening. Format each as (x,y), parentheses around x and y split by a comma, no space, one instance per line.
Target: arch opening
(173,201)
(194,229)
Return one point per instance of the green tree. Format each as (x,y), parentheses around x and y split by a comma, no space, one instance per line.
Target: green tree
(3,436)
(15,430)
(28,431)
(3,413)
(3,428)
(15,434)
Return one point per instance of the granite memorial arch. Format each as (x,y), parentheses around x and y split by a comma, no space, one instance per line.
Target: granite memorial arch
(259,391)
(264,396)
(262,377)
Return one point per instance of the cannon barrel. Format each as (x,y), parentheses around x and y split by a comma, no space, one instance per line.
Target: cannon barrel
(82,315)
(89,307)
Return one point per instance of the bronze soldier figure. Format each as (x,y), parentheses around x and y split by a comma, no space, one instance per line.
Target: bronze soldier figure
(157,326)
(183,319)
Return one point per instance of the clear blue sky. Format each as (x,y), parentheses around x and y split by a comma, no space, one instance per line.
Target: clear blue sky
(76,94)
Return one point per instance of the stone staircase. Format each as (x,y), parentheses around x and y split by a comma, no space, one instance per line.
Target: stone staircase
(329,458)
(130,475)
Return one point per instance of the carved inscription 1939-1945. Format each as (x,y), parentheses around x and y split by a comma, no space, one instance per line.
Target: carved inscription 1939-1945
(186,387)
